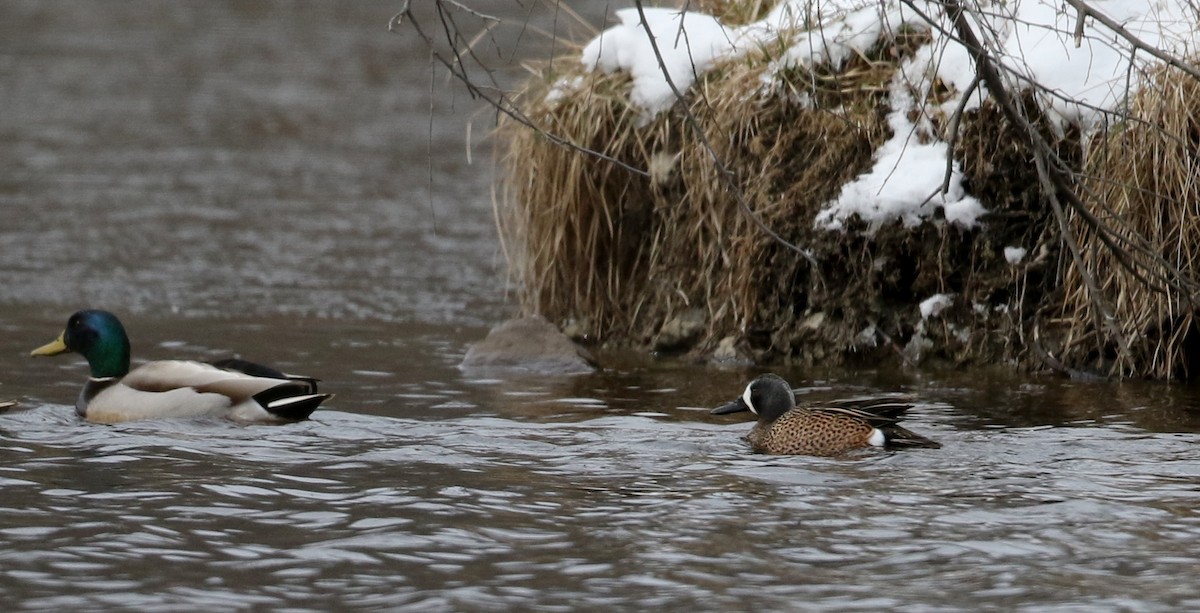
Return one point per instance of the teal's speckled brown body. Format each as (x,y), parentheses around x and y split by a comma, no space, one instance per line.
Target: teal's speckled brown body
(786,429)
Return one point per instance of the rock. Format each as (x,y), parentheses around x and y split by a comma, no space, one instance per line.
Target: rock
(681,331)
(577,329)
(727,353)
(529,344)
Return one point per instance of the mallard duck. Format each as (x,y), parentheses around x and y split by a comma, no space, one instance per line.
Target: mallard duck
(786,429)
(237,389)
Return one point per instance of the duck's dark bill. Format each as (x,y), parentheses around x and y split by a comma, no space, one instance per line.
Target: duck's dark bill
(736,406)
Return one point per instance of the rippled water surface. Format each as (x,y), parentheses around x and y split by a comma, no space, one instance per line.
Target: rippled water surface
(288,182)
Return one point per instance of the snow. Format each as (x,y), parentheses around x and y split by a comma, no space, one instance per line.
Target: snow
(1034,39)
(1014,255)
(1081,85)
(935,304)
(905,182)
(562,88)
(689,43)
(848,28)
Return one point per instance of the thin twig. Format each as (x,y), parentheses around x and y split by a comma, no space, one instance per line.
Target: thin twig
(499,102)
(952,131)
(1120,30)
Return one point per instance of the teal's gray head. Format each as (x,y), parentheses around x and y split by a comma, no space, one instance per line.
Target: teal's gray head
(768,396)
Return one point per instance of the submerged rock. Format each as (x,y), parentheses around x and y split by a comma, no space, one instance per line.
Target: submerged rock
(529,344)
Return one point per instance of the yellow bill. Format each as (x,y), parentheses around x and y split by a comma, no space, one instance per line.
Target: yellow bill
(54,347)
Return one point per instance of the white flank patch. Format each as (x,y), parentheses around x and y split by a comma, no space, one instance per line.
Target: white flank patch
(290,400)
(877,439)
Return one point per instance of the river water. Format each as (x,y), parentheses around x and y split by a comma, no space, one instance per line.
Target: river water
(289,182)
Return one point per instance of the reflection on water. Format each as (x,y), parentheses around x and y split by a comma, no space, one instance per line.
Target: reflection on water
(265,179)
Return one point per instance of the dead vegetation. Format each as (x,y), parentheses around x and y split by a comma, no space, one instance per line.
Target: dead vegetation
(1145,176)
(630,234)
(615,255)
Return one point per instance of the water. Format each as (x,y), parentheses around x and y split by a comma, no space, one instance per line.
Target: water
(280,181)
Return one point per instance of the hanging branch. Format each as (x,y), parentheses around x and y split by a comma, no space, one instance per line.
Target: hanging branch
(1054,179)
(457,68)
(498,101)
(1127,250)
(1087,11)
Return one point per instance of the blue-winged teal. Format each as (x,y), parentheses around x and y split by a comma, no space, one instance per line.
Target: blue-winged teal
(784,428)
(237,389)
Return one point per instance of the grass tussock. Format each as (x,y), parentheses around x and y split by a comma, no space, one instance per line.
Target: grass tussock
(1146,174)
(642,231)
(615,254)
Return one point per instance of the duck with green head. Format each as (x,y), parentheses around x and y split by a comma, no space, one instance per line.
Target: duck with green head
(787,429)
(237,389)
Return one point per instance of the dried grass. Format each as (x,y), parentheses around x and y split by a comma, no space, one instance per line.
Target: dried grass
(619,253)
(1146,173)
(730,12)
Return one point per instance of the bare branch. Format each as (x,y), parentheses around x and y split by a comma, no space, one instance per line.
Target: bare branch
(1054,179)
(1138,43)
(498,101)
(952,131)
